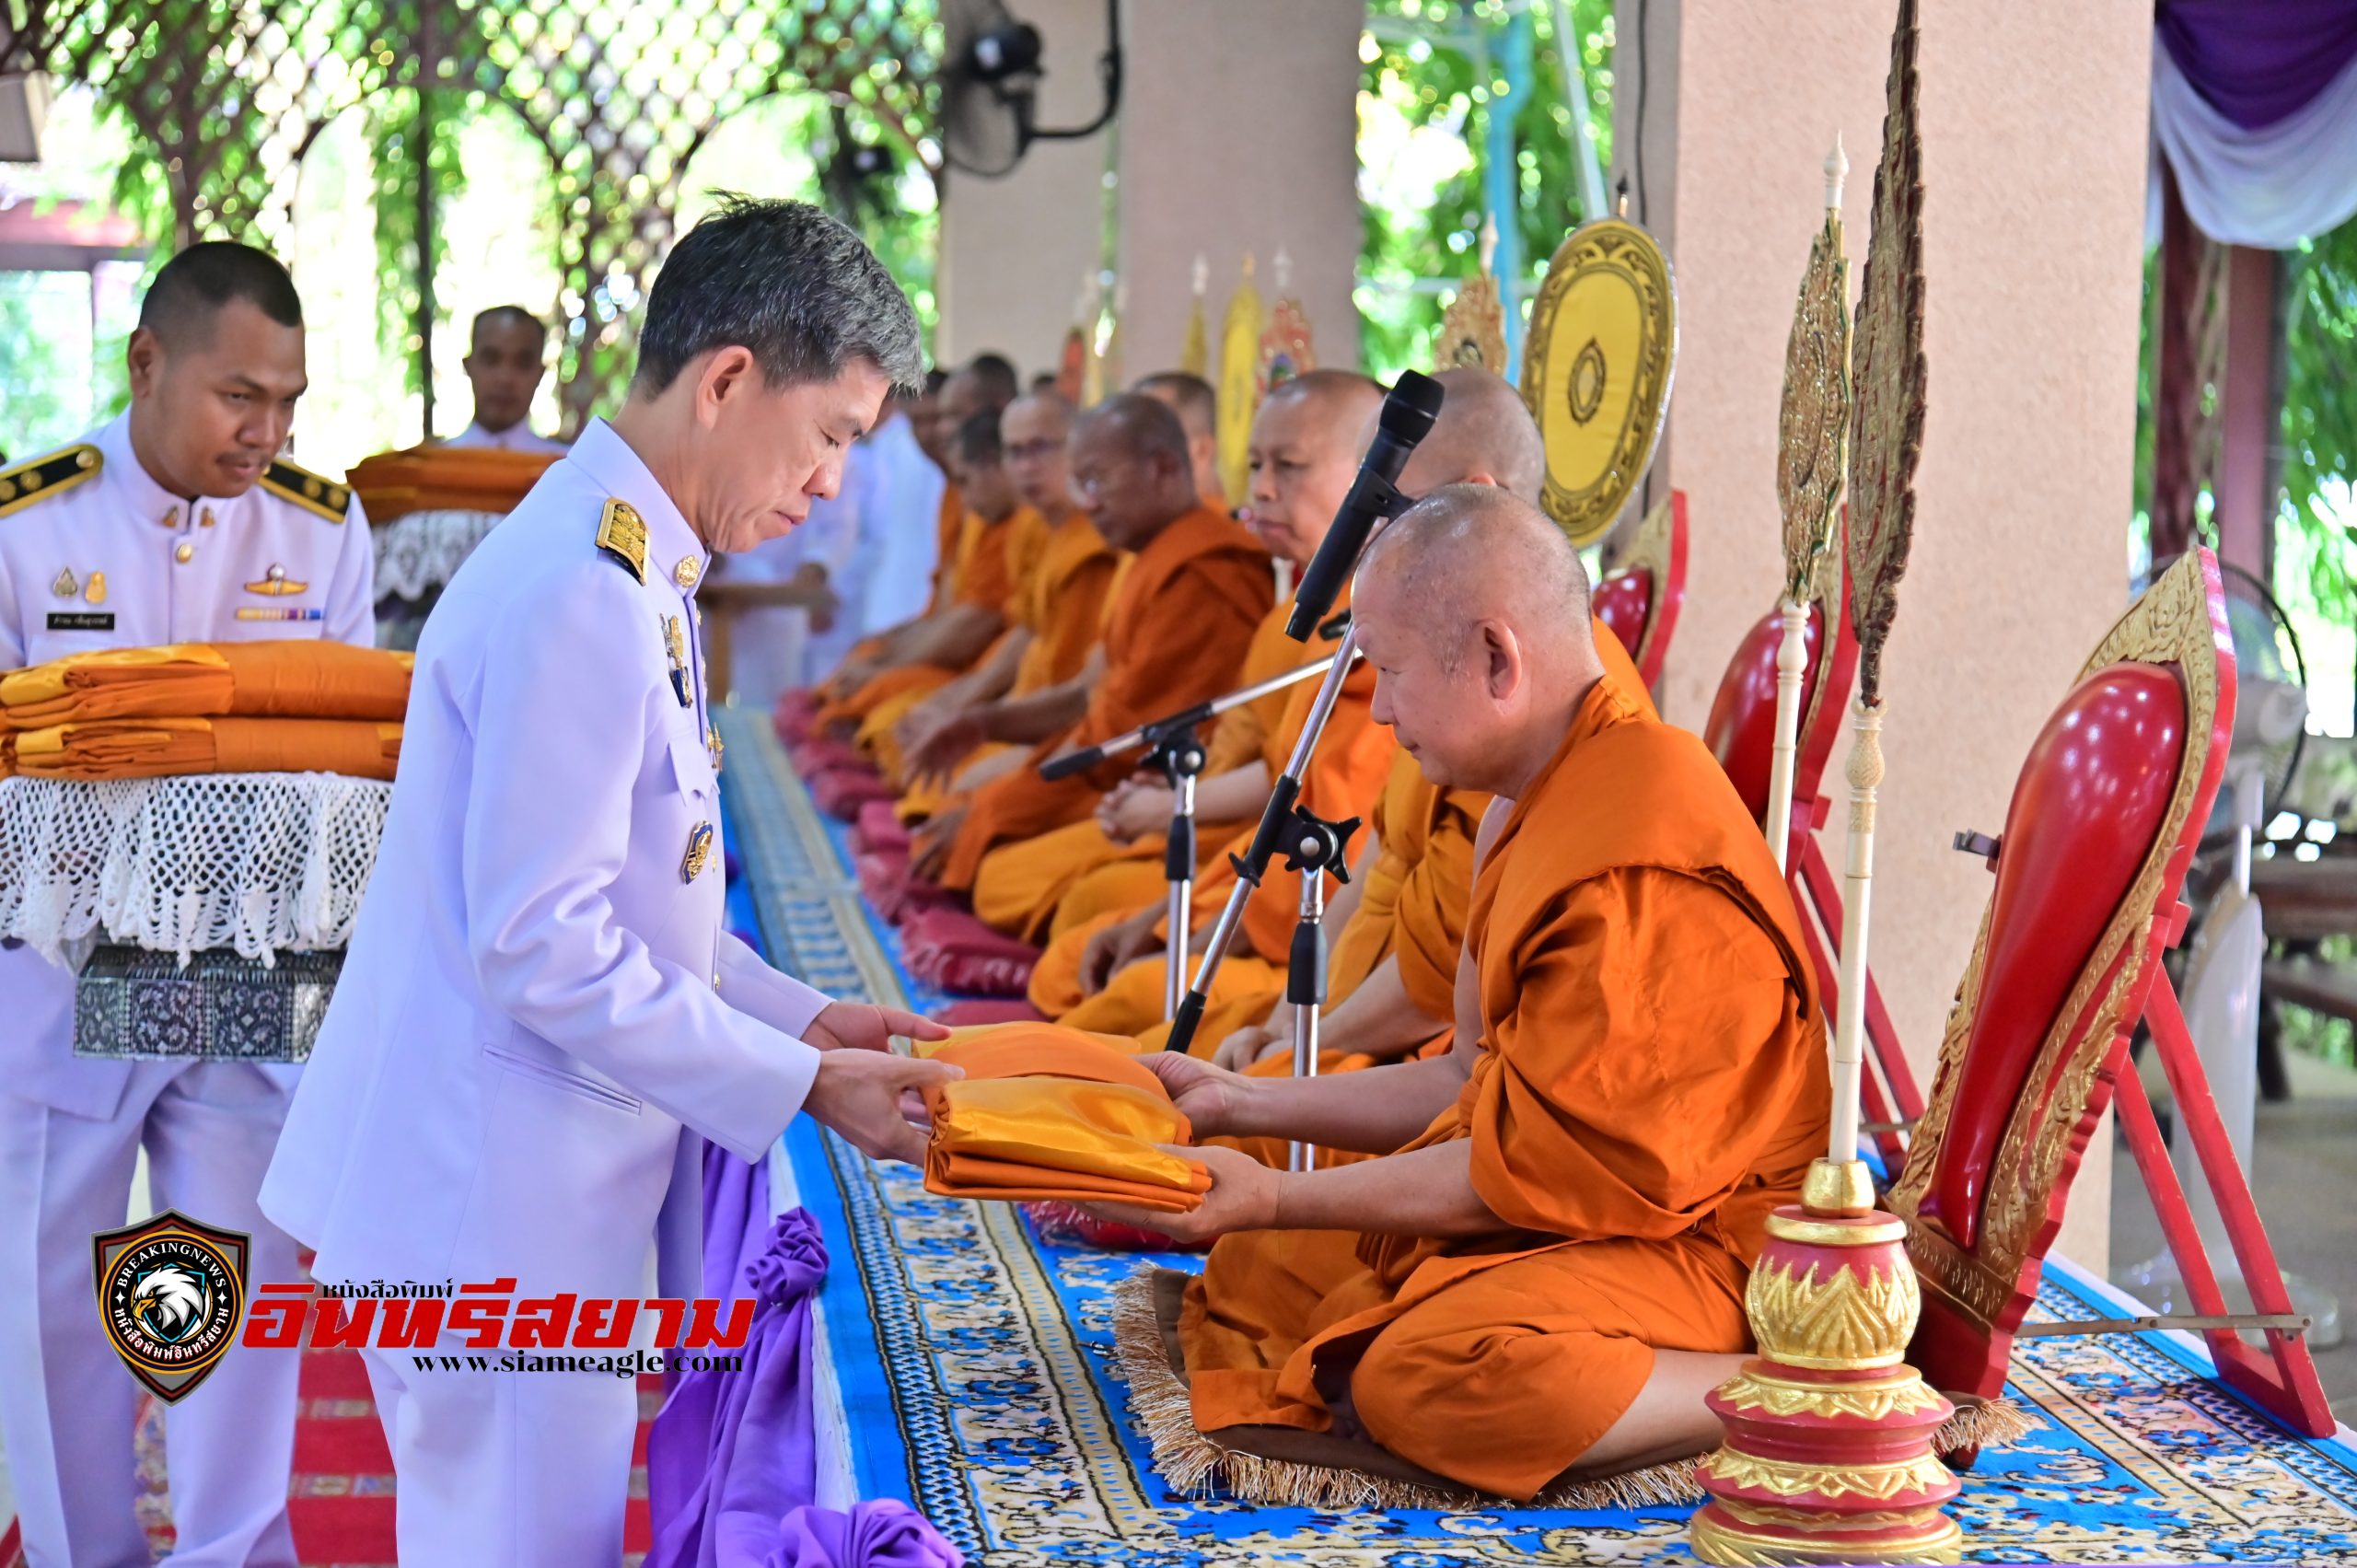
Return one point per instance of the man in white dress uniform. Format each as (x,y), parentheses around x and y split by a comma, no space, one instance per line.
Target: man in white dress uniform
(540,1009)
(506,361)
(175,523)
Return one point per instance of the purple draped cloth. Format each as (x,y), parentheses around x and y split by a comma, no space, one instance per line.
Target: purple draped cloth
(733,1453)
(2258,62)
(882,1533)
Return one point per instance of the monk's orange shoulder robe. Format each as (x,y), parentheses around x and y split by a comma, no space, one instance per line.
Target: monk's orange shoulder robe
(946,529)
(1061,602)
(1649,1082)
(1177,632)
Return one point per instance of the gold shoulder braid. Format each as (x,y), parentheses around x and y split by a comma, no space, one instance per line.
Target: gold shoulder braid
(308,490)
(27,482)
(621,533)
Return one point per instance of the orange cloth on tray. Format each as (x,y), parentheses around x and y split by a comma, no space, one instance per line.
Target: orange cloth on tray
(284,678)
(158,748)
(1049,1113)
(435,479)
(1649,1083)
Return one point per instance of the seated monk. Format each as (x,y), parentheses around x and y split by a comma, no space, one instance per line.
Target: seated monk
(1035,682)
(1545,1271)
(1000,546)
(1104,968)
(1197,405)
(1305,444)
(970,583)
(1175,632)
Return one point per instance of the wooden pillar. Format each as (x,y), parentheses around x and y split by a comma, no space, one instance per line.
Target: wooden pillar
(2180,309)
(2245,485)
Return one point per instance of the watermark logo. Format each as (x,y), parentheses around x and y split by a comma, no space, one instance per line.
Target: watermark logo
(171,1294)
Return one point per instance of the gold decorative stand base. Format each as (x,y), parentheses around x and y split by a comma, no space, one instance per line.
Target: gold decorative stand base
(1829,1452)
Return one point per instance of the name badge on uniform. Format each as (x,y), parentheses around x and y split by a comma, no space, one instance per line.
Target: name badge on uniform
(81,620)
(699,852)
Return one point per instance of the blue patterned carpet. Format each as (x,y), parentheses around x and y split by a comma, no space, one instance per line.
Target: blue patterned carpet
(980,1384)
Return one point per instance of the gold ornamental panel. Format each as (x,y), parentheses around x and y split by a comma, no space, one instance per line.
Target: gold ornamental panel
(1597,371)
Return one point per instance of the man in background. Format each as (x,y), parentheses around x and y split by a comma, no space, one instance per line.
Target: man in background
(507,360)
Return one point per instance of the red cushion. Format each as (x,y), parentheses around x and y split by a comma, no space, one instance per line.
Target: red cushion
(795,713)
(820,753)
(880,827)
(949,949)
(977,1010)
(1620,601)
(1062,1221)
(840,791)
(893,891)
(1741,732)
(2087,806)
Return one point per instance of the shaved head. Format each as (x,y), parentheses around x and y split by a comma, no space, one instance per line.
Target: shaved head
(1473,607)
(1484,435)
(1131,469)
(1191,399)
(1306,440)
(1035,431)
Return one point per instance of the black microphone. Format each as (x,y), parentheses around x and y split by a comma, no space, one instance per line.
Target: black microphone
(1408,416)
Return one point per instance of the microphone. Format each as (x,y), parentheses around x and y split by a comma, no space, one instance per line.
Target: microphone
(1408,416)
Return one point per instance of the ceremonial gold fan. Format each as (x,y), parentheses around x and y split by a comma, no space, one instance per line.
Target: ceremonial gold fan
(1596,373)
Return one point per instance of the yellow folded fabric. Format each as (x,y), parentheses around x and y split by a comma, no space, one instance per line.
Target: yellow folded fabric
(284,678)
(1052,1113)
(147,749)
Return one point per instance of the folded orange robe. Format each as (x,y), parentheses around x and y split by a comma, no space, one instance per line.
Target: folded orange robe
(1649,1083)
(435,479)
(1179,624)
(149,748)
(290,679)
(1048,1113)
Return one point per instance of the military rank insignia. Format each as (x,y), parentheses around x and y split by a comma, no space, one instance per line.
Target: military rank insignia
(691,864)
(622,534)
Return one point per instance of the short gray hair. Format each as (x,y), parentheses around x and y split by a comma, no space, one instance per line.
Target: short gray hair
(786,281)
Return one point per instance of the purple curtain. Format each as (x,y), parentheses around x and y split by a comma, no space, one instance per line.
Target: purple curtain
(2258,60)
(732,1454)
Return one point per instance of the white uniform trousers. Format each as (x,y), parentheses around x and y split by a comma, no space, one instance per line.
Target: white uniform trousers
(67,1402)
(506,1469)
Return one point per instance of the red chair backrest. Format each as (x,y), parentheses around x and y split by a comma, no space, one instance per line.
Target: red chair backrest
(1639,599)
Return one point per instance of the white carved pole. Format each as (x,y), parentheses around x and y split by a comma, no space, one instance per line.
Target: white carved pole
(1791,653)
(1857,892)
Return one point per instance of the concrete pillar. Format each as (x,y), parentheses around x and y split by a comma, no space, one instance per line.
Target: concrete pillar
(2034,173)
(1013,249)
(1239,134)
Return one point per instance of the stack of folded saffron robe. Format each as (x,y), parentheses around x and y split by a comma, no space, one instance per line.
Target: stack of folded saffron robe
(1048,1112)
(270,707)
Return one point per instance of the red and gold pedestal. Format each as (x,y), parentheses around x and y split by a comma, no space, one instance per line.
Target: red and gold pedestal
(1829,1452)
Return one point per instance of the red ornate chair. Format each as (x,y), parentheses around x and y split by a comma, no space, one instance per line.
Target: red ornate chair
(1639,599)
(1741,732)
(2105,818)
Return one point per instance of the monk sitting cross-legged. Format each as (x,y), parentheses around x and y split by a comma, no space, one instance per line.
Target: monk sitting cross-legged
(1305,444)
(1545,1272)
(971,585)
(1175,635)
(1036,681)
(1107,974)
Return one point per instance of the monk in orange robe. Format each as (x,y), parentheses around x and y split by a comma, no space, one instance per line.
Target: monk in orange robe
(1001,545)
(1197,405)
(1177,631)
(1036,681)
(1107,973)
(1306,445)
(969,586)
(1545,1271)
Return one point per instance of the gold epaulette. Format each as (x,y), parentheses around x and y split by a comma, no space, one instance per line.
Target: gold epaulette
(308,490)
(621,533)
(27,482)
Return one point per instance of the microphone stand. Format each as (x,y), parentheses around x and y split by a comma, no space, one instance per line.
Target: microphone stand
(1181,757)
(1319,846)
